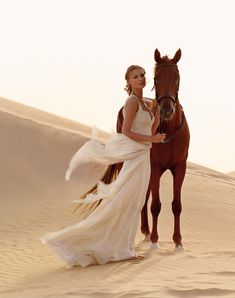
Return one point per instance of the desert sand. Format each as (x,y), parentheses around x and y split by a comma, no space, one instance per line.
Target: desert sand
(35,199)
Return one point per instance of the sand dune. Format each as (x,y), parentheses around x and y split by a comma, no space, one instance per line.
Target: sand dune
(232,173)
(35,199)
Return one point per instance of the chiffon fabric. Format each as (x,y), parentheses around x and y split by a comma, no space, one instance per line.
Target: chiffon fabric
(109,232)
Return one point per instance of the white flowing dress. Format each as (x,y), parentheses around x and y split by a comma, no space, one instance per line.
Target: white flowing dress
(109,232)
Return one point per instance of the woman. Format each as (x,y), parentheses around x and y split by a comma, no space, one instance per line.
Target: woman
(108,233)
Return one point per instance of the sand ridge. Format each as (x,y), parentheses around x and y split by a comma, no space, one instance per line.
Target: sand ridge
(35,199)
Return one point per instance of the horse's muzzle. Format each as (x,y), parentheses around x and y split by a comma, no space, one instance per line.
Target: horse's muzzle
(167,114)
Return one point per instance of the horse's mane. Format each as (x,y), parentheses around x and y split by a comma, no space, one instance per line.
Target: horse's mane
(165,58)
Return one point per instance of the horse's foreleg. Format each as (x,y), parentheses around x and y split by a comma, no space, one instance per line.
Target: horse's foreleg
(178,173)
(155,206)
(144,216)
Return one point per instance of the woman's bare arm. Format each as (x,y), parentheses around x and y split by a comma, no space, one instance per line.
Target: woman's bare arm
(156,122)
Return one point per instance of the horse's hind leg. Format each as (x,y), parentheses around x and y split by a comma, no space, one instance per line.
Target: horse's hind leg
(144,216)
(178,173)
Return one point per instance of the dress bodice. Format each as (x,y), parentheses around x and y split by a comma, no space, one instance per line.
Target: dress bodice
(142,122)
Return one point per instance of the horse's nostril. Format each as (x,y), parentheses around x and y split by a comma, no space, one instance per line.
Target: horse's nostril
(170,112)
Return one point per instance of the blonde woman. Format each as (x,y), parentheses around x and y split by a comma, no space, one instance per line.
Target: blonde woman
(109,232)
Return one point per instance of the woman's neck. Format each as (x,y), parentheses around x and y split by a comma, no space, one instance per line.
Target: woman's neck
(138,93)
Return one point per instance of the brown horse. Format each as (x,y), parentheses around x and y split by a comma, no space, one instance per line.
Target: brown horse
(172,154)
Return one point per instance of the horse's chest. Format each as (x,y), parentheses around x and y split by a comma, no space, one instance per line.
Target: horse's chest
(166,155)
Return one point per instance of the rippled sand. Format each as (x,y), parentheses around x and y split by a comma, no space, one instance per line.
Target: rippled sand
(35,199)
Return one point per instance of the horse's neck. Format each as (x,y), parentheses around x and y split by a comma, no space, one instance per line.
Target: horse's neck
(171,126)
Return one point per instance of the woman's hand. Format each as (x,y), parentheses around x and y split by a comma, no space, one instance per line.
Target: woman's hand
(158,138)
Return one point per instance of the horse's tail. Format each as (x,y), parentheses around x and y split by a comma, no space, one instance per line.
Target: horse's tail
(119,121)
(109,176)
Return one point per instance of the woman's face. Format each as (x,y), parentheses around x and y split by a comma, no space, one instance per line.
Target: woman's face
(137,79)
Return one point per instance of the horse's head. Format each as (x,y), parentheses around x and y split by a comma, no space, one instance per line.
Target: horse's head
(166,83)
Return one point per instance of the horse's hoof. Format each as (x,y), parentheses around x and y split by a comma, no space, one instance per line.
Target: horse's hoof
(147,237)
(154,246)
(179,248)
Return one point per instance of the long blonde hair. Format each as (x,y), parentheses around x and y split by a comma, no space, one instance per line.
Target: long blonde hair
(128,71)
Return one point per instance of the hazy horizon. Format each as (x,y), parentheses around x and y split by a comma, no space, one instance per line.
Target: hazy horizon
(69,58)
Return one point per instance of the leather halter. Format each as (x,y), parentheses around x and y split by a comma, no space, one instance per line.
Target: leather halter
(174,100)
(159,98)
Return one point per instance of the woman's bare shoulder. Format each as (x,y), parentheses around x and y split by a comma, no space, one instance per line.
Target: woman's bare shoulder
(132,99)
(131,102)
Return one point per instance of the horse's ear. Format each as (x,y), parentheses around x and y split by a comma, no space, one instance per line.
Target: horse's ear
(177,56)
(157,56)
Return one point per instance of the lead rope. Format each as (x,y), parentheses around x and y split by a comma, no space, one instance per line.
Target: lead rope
(176,132)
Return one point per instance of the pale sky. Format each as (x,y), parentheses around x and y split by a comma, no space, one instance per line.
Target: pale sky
(69,57)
